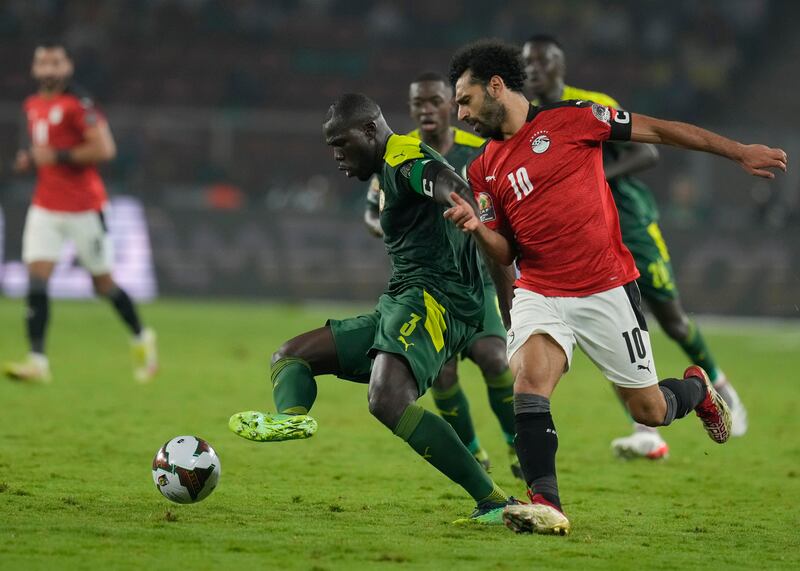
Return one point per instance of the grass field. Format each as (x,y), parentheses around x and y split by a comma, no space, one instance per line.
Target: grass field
(76,490)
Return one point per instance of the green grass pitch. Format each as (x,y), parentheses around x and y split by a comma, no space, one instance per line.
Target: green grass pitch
(76,490)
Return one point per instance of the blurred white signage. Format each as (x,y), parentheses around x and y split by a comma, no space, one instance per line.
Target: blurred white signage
(133,259)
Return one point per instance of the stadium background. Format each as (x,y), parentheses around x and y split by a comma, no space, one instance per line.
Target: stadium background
(216,107)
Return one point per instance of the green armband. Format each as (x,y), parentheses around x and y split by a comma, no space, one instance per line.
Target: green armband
(422,175)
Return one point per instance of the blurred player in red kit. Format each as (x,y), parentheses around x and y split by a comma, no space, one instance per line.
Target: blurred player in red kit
(69,138)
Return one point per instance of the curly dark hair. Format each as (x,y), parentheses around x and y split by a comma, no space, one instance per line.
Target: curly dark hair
(487,58)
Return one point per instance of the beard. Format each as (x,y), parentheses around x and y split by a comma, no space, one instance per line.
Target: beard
(51,83)
(490,119)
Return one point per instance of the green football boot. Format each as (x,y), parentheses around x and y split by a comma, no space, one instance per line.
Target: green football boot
(488,513)
(267,427)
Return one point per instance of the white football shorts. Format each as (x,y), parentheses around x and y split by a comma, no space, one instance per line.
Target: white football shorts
(46,232)
(608,326)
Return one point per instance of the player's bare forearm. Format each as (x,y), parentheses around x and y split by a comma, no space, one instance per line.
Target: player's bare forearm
(755,159)
(632,158)
(494,245)
(98,147)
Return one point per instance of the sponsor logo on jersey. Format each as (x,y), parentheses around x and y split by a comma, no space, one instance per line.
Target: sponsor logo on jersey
(485,207)
(540,142)
(490,178)
(405,170)
(56,115)
(601,112)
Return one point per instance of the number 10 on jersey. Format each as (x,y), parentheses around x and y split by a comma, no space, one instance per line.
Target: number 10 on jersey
(520,182)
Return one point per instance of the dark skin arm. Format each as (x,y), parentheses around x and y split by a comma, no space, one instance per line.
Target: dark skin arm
(450,190)
(632,158)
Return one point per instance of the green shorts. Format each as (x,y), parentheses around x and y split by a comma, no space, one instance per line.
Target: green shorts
(492,321)
(657,280)
(411,324)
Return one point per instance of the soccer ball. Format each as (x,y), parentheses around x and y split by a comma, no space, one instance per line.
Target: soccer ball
(186,469)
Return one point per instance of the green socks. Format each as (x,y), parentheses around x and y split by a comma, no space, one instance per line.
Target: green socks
(293,386)
(696,349)
(501,399)
(454,408)
(436,441)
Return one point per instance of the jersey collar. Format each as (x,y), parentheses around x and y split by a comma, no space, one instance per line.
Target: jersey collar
(532,111)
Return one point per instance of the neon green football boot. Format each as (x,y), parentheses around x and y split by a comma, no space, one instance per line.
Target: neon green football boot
(268,427)
(488,513)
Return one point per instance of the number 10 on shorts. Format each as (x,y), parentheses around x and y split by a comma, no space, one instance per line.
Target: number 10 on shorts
(634,341)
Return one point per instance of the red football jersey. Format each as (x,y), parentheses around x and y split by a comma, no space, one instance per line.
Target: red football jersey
(546,191)
(60,122)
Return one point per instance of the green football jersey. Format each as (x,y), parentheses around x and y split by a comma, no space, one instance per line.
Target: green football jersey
(466,146)
(635,203)
(425,249)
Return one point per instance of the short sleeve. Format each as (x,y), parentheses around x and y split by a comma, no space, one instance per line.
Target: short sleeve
(488,211)
(84,114)
(600,123)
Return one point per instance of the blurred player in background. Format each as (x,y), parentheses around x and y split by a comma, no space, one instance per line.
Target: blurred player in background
(638,216)
(431,106)
(69,138)
(432,307)
(548,207)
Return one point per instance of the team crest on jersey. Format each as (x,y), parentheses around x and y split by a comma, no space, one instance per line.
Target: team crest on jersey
(56,115)
(381,200)
(485,207)
(601,112)
(540,142)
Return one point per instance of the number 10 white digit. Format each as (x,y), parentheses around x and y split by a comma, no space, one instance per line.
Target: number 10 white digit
(522,180)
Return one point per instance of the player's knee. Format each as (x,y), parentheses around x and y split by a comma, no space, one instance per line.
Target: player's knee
(491,359)
(676,327)
(387,408)
(288,349)
(447,378)
(104,286)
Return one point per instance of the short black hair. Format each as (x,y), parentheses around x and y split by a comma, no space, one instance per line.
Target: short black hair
(352,108)
(51,44)
(487,58)
(430,76)
(544,39)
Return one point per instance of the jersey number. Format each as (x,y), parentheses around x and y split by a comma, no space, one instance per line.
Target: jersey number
(521,182)
(40,132)
(638,344)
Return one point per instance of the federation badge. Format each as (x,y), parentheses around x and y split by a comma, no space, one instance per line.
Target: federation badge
(540,142)
(601,112)
(405,170)
(485,207)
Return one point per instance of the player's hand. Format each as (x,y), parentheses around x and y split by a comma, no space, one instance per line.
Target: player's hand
(43,156)
(757,159)
(462,214)
(22,162)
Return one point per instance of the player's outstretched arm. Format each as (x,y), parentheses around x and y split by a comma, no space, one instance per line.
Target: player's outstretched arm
(494,244)
(755,159)
(632,158)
